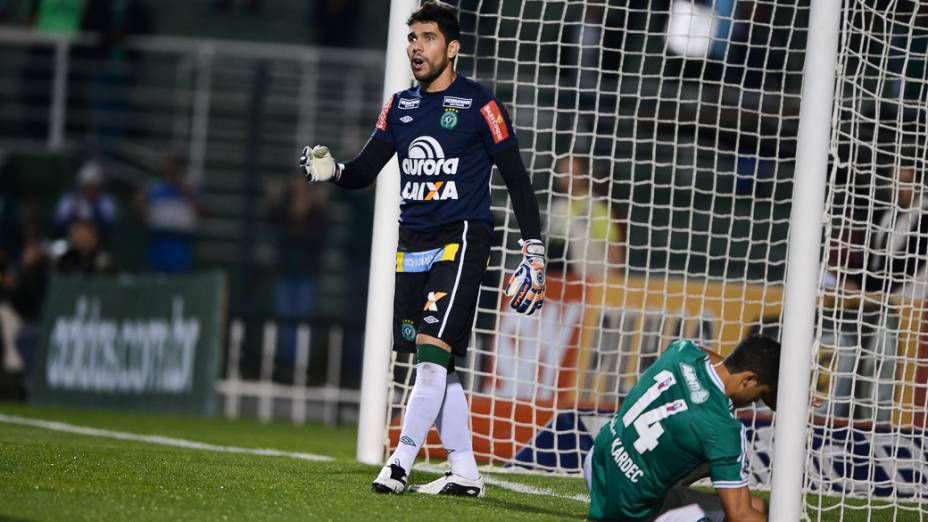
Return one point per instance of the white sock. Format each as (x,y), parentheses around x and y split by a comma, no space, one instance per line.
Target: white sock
(455,432)
(422,409)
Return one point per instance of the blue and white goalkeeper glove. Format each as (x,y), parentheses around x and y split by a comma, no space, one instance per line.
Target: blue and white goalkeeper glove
(318,165)
(526,287)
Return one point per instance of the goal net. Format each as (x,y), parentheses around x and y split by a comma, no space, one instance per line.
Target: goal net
(661,139)
(866,440)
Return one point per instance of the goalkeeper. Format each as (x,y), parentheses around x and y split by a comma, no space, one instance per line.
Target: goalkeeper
(447,132)
(678,425)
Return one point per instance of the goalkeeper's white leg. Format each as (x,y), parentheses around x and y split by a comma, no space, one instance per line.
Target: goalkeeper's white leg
(422,409)
(455,432)
(463,479)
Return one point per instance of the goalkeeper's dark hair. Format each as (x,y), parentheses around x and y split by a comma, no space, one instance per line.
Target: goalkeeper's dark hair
(759,354)
(442,15)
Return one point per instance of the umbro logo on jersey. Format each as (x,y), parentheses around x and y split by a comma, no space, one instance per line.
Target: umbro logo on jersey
(431,319)
(406,119)
(456,103)
(406,103)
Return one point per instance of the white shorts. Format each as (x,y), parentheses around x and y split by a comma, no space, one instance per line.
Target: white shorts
(684,504)
(588,470)
(681,504)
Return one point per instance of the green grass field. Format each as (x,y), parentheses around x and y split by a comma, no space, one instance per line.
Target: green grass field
(54,475)
(50,475)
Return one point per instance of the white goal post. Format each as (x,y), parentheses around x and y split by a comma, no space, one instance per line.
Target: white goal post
(378,331)
(705,169)
(805,242)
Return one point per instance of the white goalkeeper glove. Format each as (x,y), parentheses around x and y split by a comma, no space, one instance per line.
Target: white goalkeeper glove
(526,286)
(318,165)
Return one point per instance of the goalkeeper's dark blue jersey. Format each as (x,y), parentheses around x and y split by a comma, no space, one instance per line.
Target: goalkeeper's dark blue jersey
(444,142)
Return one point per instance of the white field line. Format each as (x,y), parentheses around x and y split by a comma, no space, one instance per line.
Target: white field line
(511,486)
(157,439)
(189,444)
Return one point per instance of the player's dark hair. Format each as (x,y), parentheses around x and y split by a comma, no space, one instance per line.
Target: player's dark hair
(759,354)
(442,15)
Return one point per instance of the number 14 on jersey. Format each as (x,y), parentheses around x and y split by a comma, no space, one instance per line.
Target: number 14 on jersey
(648,423)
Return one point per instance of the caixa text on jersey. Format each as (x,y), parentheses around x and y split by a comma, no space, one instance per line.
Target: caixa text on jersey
(429,191)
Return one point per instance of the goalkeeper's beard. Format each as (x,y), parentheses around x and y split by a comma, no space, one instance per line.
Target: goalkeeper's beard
(429,78)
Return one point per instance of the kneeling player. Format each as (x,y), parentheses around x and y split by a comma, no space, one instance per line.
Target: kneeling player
(678,425)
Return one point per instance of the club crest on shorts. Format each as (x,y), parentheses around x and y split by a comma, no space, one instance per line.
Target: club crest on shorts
(408,330)
(449,119)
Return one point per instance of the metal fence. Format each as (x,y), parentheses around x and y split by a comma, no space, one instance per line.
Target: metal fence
(296,400)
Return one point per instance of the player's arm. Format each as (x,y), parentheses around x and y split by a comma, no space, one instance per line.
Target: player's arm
(319,165)
(521,193)
(526,287)
(740,506)
(725,452)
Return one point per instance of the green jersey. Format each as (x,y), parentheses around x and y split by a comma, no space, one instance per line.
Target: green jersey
(676,419)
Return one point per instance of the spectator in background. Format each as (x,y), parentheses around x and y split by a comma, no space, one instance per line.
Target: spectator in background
(88,203)
(84,255)
(898,253)
(171,210)
(24,268)
(582,225)
(894,264)
(10,248)
(22,288)
(114,68)
(298,216)
(334,22)
(22,291)
(29,278)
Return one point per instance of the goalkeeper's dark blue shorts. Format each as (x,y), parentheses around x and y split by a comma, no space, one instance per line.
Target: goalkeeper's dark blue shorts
(438,278)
